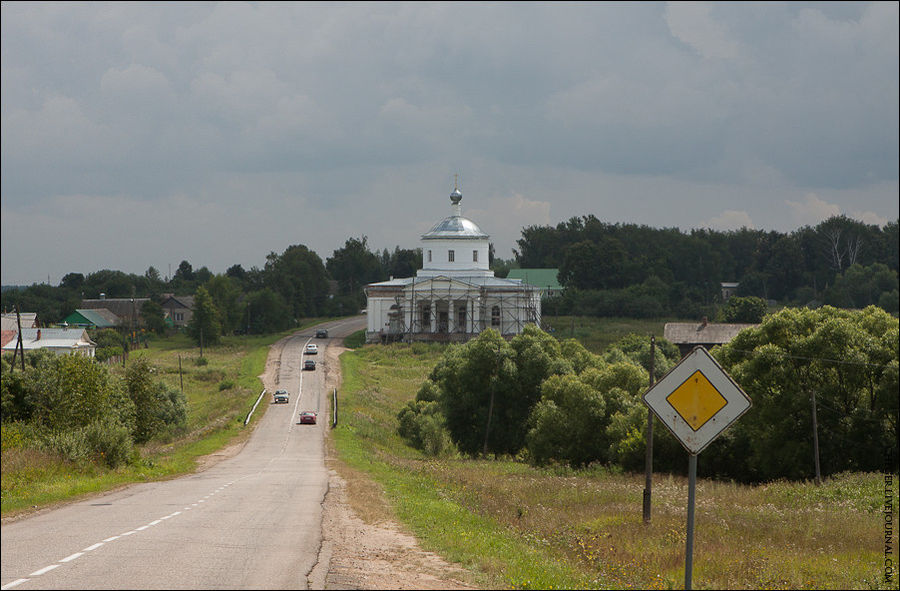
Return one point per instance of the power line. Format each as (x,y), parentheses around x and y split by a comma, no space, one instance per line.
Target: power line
(836,361)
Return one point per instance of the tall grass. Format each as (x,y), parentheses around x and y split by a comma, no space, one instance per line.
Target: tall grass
(219,393)
(518,526)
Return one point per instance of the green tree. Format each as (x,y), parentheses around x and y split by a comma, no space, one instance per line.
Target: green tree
(205,326)
(159,409)
(226,296)
(354,266)
(154,317)
(300,277)
(565,425)
(846,359)
(749,310)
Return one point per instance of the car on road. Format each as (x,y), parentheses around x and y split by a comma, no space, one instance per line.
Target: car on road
(282,396)
(312,349)
(321,334)
(309,364)
(307,417)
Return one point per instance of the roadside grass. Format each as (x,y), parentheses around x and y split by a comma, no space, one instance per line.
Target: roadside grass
(220,389)
(517,526)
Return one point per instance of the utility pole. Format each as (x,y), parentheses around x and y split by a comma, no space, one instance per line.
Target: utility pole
(815,438)
(20,346)
(648,461)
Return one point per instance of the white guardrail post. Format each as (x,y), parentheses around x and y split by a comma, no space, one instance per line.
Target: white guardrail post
(334,408)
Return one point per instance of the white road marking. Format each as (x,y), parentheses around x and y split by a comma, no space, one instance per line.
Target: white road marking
(94,547)
(71,557)
(128,533)
(112,538)
(142,528)
(15,583)
(155,522)
(41,571)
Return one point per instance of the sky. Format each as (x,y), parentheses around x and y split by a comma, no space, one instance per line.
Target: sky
(145,134)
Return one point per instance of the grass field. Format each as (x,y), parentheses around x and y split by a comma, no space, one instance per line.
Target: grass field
(597,334)
(220,389)
(515,526)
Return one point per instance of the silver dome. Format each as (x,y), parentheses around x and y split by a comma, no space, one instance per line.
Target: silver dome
(454,226)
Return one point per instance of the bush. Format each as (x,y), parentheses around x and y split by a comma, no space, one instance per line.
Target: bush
(109,442)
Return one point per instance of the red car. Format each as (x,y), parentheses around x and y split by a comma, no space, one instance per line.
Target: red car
(307,417)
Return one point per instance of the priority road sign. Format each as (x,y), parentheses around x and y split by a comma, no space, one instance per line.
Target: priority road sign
(697,400)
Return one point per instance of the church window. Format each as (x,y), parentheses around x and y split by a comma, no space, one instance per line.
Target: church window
(429,255)
(451,256)
(474,256)
(495,316)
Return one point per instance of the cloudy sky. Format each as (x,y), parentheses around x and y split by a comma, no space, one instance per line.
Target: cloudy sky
(138,135)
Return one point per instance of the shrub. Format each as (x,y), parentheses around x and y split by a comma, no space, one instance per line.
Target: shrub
(108,441)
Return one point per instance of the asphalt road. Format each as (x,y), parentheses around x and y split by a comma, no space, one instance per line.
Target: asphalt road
(249,522)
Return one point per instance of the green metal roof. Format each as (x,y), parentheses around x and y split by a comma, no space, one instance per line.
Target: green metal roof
(84,317)
(542,278)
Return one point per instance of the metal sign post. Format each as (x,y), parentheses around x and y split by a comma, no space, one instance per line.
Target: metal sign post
(696,401)
(689,545)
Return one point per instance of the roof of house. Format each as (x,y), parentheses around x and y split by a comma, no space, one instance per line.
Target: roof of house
(543,278)
(121,307)
(29,320)
(173,301)
(7,336)
(701,333)
(99,317)
(54,338)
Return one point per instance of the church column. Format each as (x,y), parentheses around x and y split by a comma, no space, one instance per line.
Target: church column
(451,315)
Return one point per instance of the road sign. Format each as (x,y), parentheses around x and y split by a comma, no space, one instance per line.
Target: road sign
(697,400)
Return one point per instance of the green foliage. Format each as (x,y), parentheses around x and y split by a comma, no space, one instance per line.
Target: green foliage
(748,310)
(159,409)
(226,295)
(423,426)
(205,325)
(109,343)
(153,316)
(847,359)
(69,391)
(859,286)
(354,266)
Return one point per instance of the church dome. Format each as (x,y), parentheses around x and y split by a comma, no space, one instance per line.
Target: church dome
(455,226)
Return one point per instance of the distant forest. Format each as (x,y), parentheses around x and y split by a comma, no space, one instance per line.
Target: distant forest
(638,271)
(623,270)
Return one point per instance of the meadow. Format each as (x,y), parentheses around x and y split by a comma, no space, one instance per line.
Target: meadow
(517,526)
(220,388)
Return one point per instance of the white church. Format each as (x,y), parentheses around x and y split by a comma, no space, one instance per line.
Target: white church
(454,296)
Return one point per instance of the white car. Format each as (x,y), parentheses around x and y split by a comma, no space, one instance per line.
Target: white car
(312,349)
(282,396)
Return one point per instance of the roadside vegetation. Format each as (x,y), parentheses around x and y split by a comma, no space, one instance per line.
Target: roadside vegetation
(520,523)
(73,426)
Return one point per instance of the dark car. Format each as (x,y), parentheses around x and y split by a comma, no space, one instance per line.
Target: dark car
(307,417)
(282,396)
(309,364)
(321,334)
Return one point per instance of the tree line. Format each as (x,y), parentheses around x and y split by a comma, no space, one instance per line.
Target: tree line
(290,286)
(639,271)
(606,269)
(547,401)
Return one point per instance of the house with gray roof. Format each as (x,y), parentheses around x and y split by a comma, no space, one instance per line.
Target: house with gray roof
(62,341)
(688,335)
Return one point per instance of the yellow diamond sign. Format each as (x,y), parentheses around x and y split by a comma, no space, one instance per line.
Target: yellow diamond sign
(696,400)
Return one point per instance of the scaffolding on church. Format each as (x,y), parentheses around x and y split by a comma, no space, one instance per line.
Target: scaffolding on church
(429,317)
